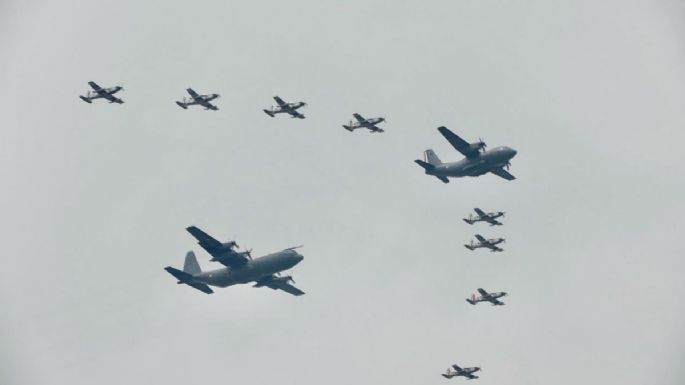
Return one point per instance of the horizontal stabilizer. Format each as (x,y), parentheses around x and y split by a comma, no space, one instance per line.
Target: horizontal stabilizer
(85,99)
(469,247)
(348,128)
(182,105)
(187,279)
(426,166)
(271,114)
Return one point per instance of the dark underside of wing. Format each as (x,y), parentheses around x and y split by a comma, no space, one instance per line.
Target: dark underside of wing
(502,173)
(458,143)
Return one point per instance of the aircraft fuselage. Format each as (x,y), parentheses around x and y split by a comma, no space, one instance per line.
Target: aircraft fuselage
(478,165)
(252,270)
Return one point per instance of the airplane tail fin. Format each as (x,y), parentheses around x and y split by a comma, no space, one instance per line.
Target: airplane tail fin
(430,157)
(190,266)
(182,105)
(271,114)
(85,99)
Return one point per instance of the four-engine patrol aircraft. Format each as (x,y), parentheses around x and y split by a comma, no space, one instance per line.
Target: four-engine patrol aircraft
(240,267)
(288,108)
(478,161)
(370,124)
(488,243)
(491,218)
(486,297)
(99,92)
(464,372)
(195,98)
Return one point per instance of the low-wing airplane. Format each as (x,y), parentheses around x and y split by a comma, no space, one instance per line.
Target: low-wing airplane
(491,218)
(104,93)
(486,297)
(487,243)
(478,161)
(195,98)
(464,372)
(239,267)
(370,124)
(288,108)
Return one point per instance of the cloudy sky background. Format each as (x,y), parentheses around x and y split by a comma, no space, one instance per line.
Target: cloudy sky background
(96,197)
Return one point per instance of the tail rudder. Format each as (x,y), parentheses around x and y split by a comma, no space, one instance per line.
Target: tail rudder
(190,266)
(430,157)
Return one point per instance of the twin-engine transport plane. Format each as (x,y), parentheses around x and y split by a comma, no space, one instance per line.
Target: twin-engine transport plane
(370,124)
(478,161)
(491,218)
(195,98)
(99,92)
(486,297)
(288,108)
(464,372)
(487,243)
(240,267)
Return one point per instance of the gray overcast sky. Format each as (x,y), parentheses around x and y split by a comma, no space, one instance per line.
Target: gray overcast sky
(96,197)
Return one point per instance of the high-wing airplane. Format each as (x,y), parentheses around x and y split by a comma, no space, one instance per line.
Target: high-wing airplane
(464,372)
(195,98)
(370,124)
(487,243)
(239,267)
(486,297)
(478,161)
(491,218)
(104,93)
(288,108)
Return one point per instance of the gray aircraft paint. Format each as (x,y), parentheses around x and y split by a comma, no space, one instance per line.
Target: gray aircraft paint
(253,270)
(495,158)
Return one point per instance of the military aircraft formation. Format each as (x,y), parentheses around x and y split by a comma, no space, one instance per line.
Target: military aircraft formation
(240,268)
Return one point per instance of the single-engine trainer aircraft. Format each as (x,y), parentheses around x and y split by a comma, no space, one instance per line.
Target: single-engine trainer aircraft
(370,124)
(478,161)
(488,243)
(464,372)
(486,297)
(240,267)
(491,218)
(104,93)
(195,98)
(287,108)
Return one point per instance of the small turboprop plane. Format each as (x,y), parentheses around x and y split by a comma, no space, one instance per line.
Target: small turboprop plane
(239,267)
(477,160)
(491,218)
(202,100)
(370,124)
(104,93)
(463,372)
(487,243)
(486,297)
(287,108)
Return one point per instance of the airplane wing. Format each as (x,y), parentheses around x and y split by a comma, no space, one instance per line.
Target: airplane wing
(481,239)
(458,143)
(112,98)
(94,86)
(281,285)
(359,118)
(279,101)
(207,104)
(457,368)
(215,248)
(192,93)
(483,292)
(492,221)
(503,173)
(480,212)
(375,128)
(495,301)
(296,114)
